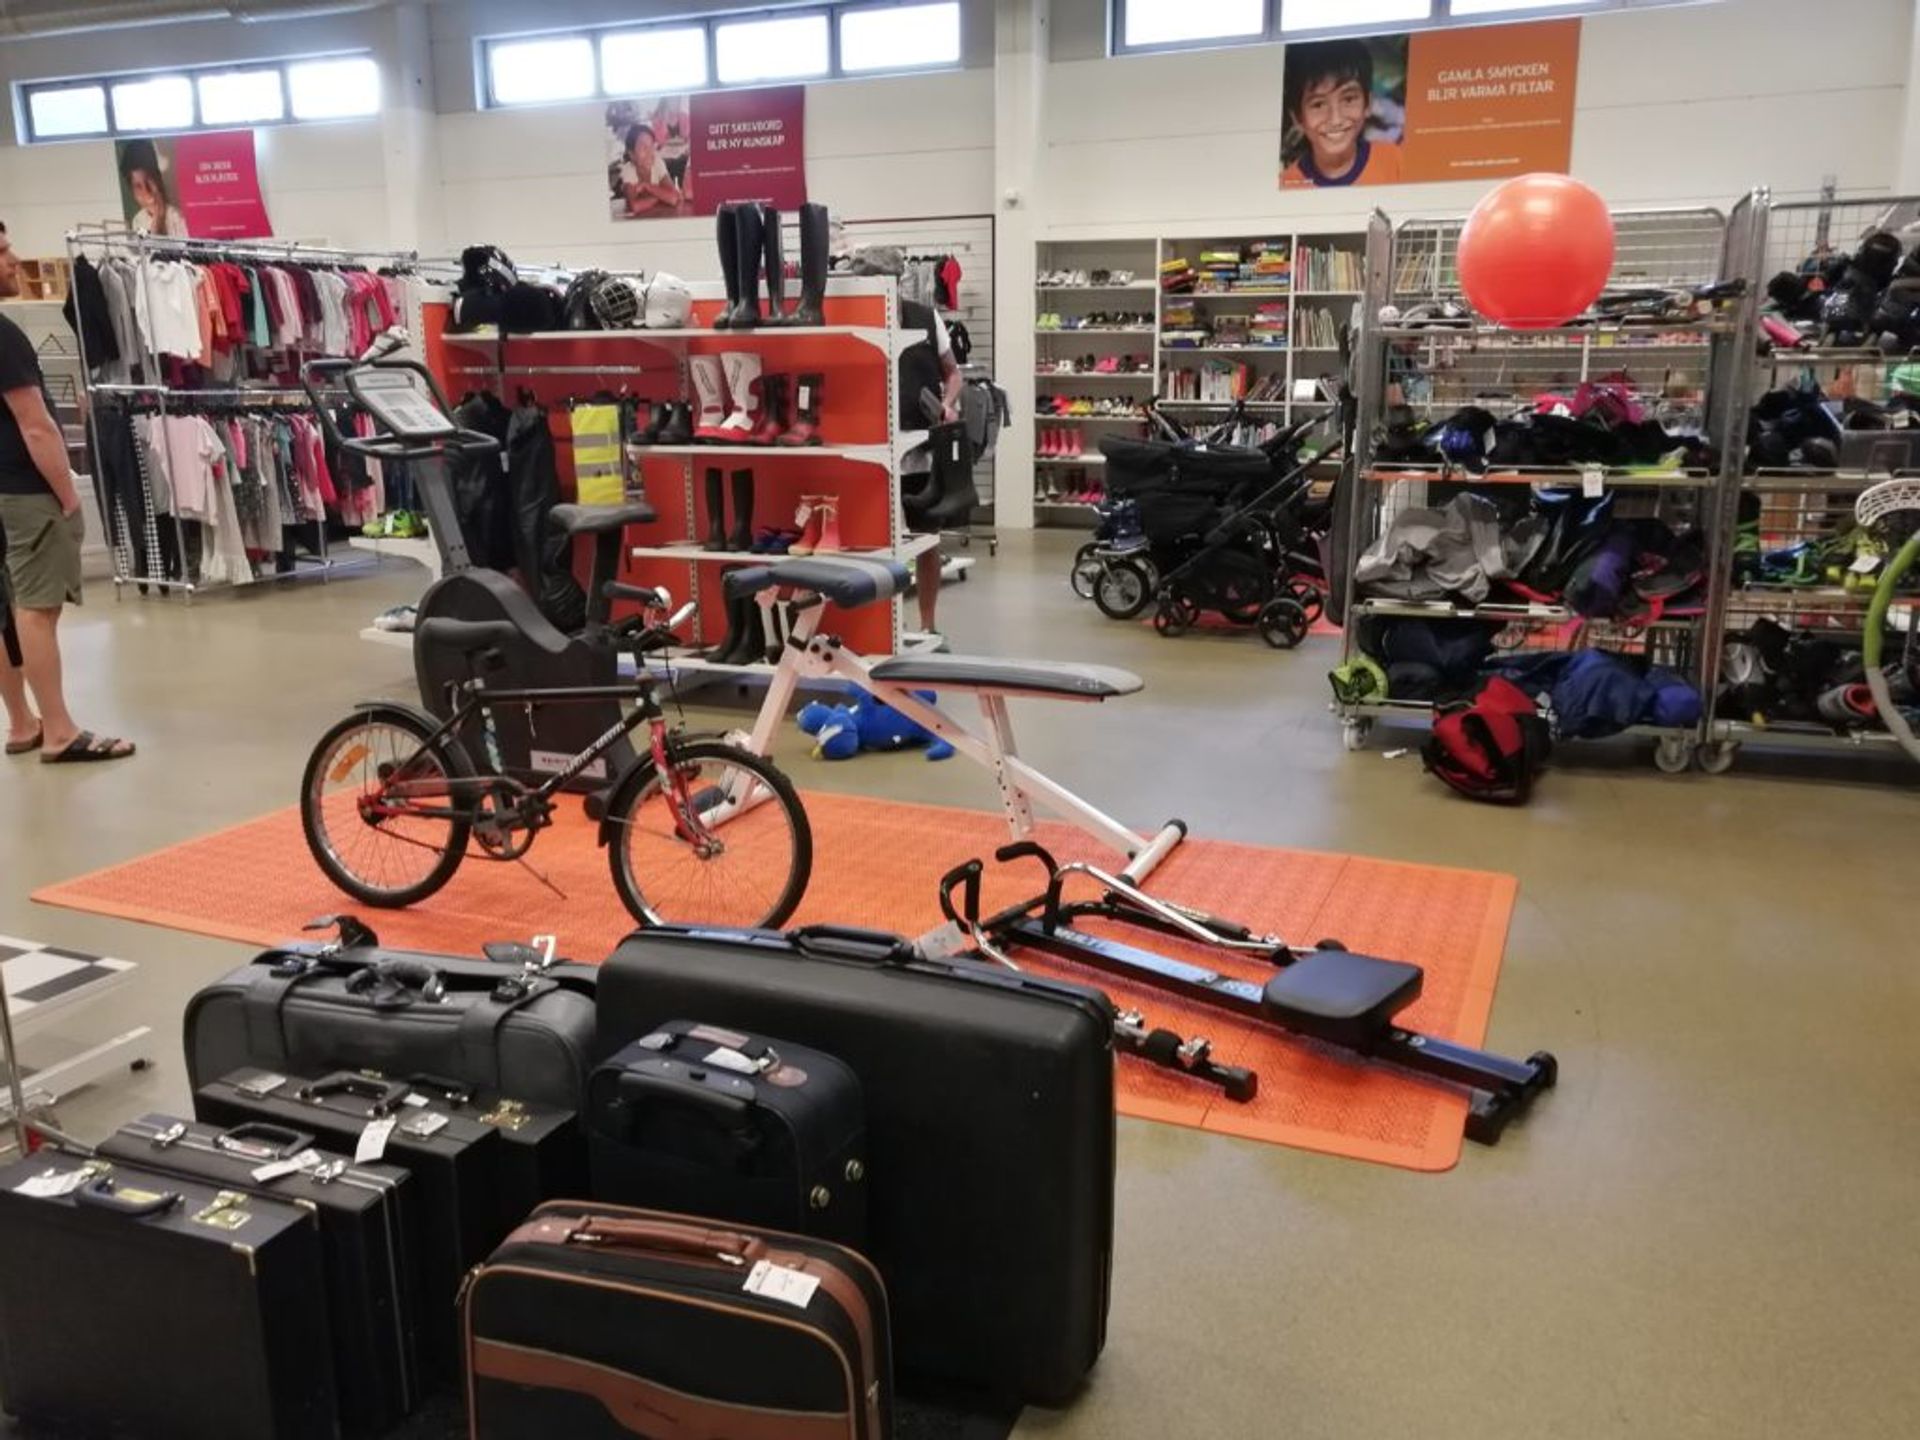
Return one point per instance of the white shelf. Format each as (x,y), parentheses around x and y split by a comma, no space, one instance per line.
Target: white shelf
(859,454)
(1069,459)
(1253,405)
(1328,294)
(691,551)
(1225,349)
(1090,419)
(1247,294)
(875,335)
(1097,289)
(1093,329)
(1077,375)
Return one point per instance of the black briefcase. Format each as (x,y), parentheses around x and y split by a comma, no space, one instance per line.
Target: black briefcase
(455,1161)
(599,1322)
(544,1155)
(990,1129)
(506,1026)
(701,1120)
(140,1304)
(364,1211)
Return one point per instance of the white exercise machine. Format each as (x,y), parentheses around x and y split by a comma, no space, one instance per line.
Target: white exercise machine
(850,581)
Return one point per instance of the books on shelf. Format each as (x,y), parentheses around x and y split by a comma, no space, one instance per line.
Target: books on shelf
(1224,381)
(1328,270)
(1317,327)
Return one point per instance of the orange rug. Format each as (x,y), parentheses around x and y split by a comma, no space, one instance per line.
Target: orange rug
(878,864)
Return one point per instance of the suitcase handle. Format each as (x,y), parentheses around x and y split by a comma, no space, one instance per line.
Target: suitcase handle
(850,942)
(664,1087)
(384,1095)
(278,1141)
(397,981)
(728,1245)
(104,1194)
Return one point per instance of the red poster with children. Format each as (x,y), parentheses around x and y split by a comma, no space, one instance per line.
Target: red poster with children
(1472,103)
(204,186)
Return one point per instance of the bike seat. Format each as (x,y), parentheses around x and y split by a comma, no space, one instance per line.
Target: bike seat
(846,580)
(1341,998)
(466,635)
(598,519)
(1055,678)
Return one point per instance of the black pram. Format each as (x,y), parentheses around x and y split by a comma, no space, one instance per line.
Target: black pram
(1231,529)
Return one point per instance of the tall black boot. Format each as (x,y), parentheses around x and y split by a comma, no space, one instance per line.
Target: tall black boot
(740,621)
(716,517)
(741,536)
(750,229)
(815,237)
(776,265)
(750,640)
(726,232)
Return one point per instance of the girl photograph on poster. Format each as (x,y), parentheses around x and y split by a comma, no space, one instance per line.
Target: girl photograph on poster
(1346,112)
(145,197)
(648,169)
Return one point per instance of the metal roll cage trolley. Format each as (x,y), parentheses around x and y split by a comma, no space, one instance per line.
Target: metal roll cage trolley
(1328,994)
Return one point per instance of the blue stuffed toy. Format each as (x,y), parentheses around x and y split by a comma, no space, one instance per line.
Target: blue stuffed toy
(842,731)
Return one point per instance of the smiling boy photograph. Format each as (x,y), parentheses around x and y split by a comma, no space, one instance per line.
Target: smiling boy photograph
(1345,112)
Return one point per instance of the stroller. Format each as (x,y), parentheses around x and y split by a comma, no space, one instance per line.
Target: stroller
(1230,529)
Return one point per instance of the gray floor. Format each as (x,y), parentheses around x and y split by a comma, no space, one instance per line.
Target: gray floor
(1708,1230)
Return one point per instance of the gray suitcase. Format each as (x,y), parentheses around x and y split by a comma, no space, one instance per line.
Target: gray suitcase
(314,1009)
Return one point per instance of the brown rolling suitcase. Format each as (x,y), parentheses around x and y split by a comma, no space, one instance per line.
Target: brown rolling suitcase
(599,1322)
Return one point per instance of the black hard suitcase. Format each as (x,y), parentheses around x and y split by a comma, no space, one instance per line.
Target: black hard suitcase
(699,1120)
(600,1322)
(142,1304)
(455,1168)
(313,1009)
(364,1212)
(990,1129)
(544,1156)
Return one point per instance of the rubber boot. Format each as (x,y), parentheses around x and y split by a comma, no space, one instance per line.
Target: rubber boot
(656,422)
(776,266)
(710,392)
(815,238)
(727,236)
(740,537)
(679,427)
(773,419)
(779,626)
(716,518)
(743,384)
(737,620)
(750,229)
(805,429)
(809,518)
(829,538)
(752,638)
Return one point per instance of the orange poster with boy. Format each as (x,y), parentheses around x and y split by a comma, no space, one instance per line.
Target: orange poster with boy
(1448,104)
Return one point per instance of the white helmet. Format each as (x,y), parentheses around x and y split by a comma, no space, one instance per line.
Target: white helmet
(668,302)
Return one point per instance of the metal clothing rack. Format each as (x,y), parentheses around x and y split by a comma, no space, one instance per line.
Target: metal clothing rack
(1702,368)
(111,238)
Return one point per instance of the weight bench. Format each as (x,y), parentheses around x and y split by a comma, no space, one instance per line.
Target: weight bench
(851,581)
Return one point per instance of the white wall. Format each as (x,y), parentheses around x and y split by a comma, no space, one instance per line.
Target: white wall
(1695,104)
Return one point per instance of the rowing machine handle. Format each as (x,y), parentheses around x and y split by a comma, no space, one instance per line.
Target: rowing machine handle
(1022,849)
(965,878)
(850,942)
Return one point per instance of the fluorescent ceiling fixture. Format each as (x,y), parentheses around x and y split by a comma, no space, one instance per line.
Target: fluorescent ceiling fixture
(1171,22)
(526,72)
(788,48)
(900,37)
(651,62)
(1321,14)
(163,103)
(241,97)
(334,89)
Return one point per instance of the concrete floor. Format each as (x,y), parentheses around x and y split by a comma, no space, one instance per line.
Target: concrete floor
(1708,1230)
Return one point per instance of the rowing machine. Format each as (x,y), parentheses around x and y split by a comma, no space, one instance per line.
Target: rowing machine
(1328,994)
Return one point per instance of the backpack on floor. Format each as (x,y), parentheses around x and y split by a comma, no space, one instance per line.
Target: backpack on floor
(1490,747)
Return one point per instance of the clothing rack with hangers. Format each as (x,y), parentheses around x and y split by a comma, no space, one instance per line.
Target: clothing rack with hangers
(189,349)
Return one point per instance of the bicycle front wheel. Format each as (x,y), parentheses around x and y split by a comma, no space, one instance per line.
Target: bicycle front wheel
(380,811)
(721,840)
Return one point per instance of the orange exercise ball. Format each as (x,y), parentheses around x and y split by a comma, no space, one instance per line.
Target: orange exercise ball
(1536,252)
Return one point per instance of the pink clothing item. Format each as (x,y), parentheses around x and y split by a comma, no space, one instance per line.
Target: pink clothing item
(196,462)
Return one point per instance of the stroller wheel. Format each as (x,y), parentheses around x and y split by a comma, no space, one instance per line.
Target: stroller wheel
(1284,623)
(1170,620)
(1308,597)
(1086,569)
(1122,591)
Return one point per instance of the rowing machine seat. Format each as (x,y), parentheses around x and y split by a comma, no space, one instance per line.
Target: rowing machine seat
(1055,678)
(1341,998)
(848,581)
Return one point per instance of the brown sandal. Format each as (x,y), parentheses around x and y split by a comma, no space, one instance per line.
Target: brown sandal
(26,747)
(88,748)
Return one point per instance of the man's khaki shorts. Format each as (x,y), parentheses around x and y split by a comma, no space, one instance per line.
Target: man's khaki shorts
(43,551)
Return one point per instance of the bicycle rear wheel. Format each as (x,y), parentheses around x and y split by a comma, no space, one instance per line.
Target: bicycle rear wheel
(372,843)
(742,857)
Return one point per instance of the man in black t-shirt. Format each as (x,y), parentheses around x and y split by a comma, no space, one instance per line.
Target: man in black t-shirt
(42,527)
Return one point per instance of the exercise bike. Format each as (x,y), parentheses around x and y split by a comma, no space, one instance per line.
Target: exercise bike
(529,745)
(698,831)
